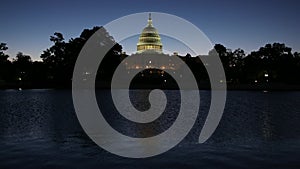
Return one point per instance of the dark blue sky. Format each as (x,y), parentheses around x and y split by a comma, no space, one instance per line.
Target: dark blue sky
(27,25)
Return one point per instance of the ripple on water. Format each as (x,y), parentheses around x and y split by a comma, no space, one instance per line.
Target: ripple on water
(39,129)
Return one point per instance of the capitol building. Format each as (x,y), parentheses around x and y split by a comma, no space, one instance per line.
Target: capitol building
(149,44)
(149,39)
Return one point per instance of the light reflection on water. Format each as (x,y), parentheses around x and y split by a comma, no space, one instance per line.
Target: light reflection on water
(39,129)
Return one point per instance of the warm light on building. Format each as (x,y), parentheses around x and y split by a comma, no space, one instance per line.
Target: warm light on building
(149,43)
(149,39)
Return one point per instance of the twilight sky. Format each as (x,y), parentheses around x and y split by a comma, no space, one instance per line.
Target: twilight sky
(27,25)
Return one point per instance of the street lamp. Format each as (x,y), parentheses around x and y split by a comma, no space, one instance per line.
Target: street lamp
(266,75)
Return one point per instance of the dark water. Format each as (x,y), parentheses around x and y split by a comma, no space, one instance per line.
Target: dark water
(39,129)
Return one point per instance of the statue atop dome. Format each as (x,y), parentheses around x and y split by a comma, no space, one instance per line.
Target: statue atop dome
(149,20)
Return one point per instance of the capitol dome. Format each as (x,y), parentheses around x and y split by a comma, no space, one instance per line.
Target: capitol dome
(149,39)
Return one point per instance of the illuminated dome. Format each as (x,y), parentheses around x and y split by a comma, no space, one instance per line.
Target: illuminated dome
(149,39)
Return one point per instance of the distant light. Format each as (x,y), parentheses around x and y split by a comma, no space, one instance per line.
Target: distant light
(150,61)
(255,81)
(165,81)
(19,78)
(266,75)
(221,81)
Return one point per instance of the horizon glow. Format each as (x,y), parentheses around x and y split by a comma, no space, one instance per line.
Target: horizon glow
(27,26)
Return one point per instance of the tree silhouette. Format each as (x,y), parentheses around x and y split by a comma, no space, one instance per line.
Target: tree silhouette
(22,66)
(272,63)
(3,56)
(232,62)
(276,60)
(5,64)
(60,58)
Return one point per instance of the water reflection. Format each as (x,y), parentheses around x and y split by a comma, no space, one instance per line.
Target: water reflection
(39,129)
(267,128)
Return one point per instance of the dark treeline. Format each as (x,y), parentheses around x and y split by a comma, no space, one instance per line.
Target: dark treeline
(273,64)
(56,68)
